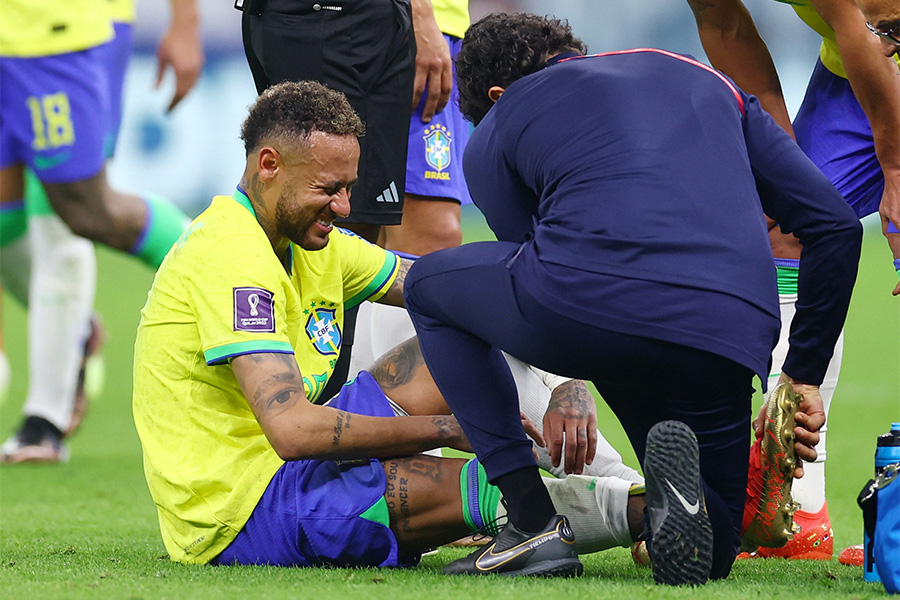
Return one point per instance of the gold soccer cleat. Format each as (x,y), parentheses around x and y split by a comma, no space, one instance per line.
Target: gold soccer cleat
(769,508)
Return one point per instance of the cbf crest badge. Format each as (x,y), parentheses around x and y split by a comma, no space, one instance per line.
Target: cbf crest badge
(437,147)
(323,331)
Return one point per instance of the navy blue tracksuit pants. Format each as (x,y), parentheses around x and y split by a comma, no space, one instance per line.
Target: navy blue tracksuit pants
(466,307)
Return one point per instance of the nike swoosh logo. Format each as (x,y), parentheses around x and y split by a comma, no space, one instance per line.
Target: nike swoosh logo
(491,560)
(42,162)
(692,509)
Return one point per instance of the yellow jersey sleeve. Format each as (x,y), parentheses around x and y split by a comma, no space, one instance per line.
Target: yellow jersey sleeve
(452,16)
(243,308)
(829,52)
(368,270)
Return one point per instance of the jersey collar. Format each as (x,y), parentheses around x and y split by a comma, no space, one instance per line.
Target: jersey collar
(240,196)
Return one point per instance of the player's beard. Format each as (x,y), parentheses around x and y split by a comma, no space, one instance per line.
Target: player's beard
(298,222)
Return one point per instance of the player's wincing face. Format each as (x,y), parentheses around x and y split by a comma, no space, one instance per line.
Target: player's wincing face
(883,18)
(316,189)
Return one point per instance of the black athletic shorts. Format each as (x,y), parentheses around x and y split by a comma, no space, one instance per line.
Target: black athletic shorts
(363,48)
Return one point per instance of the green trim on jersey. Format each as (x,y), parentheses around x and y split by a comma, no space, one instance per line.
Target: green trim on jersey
(241,198)
(221,354)
(383,277)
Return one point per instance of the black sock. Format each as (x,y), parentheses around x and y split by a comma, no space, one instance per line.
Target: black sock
(528,504)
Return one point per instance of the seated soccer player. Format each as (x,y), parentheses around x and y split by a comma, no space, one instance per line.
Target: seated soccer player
(240,333)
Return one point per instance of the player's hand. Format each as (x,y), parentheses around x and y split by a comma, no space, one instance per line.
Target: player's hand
(182,50)
(434,68)
(810,418)
(570,426)
(889,208)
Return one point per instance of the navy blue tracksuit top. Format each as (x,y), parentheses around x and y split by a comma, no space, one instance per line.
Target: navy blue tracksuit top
(649,174)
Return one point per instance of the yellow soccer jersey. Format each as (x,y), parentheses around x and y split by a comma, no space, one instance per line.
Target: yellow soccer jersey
(452,16)
(222,292)
(829,52)
(121,11)
(30,28)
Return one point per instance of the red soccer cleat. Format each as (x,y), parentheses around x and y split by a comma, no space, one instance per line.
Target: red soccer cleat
(852,556)
(768,508)
(815,541)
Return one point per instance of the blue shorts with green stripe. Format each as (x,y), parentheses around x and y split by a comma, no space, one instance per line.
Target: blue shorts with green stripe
(318,513)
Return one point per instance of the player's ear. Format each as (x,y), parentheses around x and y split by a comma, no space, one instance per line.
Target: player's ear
(495,92)
(268,161)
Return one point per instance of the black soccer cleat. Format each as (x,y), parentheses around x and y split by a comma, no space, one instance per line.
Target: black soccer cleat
(680,539)
(548,553)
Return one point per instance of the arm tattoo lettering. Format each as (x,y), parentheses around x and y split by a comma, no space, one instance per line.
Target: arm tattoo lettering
(343,422)
(398,366)
(447,426)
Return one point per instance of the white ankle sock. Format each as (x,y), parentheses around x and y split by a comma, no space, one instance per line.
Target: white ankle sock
(597,509)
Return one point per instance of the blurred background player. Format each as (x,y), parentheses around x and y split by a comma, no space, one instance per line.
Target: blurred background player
(847,124)
(58,285)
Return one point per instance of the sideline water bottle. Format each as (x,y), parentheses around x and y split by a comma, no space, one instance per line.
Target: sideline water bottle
(886,452)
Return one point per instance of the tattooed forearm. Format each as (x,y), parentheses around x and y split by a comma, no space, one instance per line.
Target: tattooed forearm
(405,264)
(399,365)
(270,381)
(343,422)
(572,400)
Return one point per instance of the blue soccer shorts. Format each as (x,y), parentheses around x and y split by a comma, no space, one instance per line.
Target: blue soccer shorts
(55,114)
(834,132)
(434,162)
(325,513)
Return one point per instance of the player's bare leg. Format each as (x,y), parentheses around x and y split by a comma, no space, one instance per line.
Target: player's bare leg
(92,209)
(425,503)
(429,224)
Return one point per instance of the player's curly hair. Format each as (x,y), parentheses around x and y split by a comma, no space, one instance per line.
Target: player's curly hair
(290,111)
(502,48)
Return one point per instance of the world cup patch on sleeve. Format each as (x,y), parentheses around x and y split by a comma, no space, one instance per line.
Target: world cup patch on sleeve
(253,310)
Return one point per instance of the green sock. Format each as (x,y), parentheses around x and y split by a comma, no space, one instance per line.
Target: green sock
(165,223)
(36,202)
(480,499)
(788,270)
(13,223)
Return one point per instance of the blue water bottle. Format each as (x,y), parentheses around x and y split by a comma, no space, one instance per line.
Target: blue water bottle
(886,452)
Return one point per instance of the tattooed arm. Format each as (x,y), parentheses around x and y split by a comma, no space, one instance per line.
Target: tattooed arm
(298,429)
(571,419)
(734,47)
(394,295)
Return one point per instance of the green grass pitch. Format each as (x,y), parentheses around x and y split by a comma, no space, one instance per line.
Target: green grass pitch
(88,529)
